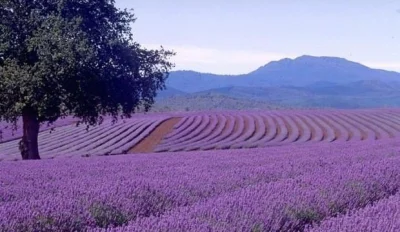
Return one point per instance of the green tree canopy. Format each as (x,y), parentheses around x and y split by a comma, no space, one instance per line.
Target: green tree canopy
(72,57)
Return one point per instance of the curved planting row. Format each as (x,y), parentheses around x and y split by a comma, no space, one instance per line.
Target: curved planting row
(287,204)
(227,130)
(383,216)
(286,188)
(71,140)
(7,133)
(222,130)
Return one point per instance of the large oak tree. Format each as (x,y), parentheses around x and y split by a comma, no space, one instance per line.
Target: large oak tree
(72,57)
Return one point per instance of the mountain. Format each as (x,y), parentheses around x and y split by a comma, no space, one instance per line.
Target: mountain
(358,94)
(169,92)
(358,88)
(269,94)
(299,72)
(209,101)
(321,94)
(190,81)
(307,70)
(303,82)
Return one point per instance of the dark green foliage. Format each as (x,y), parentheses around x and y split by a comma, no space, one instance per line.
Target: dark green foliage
(307,216)
(258,227)
(296,219)
(199,102)
(108,216)
(73,57)
(48,223)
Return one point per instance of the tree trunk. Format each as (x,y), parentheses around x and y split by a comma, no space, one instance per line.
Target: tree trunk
(29,143)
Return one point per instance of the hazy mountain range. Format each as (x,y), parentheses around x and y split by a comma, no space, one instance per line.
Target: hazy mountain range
(304,82)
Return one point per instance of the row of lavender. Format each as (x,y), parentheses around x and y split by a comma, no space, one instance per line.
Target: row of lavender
(8,132)
(270,128)
(382,216)
(272,189)
(72,140)
(223,130)
(292,204)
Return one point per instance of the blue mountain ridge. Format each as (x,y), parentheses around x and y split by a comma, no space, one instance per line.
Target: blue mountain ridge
(303,71)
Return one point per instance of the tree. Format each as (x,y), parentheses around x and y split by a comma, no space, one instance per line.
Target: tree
(72,57)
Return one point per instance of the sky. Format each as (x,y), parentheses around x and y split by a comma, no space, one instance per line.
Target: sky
(238,36)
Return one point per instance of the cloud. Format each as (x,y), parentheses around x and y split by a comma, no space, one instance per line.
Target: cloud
(223,61)
(219,61)
(394,66)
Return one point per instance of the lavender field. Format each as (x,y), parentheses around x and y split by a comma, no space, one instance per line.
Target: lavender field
(315,187)
(315,170)
(209,131)
(252,129)
(199,116)
(67,139)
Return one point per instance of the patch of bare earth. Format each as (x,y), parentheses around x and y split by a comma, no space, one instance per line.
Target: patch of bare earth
(295,120)
(336,130)
(367,121)
(349,129)
(236,126)
(364,130)
(278,128)
(268,126)
(323,128)
(307,125)
(229,128)
(313,130)
(226,131)
(354,125)
(149,143)
(246,126)
(258,126)
(289,128)
(383,122)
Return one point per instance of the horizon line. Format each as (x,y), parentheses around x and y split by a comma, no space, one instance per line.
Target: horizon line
(288,58)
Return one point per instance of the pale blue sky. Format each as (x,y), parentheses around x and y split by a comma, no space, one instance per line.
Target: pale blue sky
(238,36)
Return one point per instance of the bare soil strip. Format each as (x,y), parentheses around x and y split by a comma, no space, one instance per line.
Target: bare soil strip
(278,128)
(347,122)
(356,124)
(379,122)
(311,128)
(258,125)
(236,126)
(246,127)
(388,122)
(323,128)
(289,128)
(330,122)
(244,131)
(295,119)
(149,143)
(224,134)
(365,122)
(228,122)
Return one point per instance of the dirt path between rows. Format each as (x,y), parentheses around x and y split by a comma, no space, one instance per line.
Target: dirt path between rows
(150,142)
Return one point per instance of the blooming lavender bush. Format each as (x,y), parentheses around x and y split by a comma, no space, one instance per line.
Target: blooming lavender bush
(8,134)
(107,138)
(382,216)
(285,187)
(277,128)
(217,130)
(288,204)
